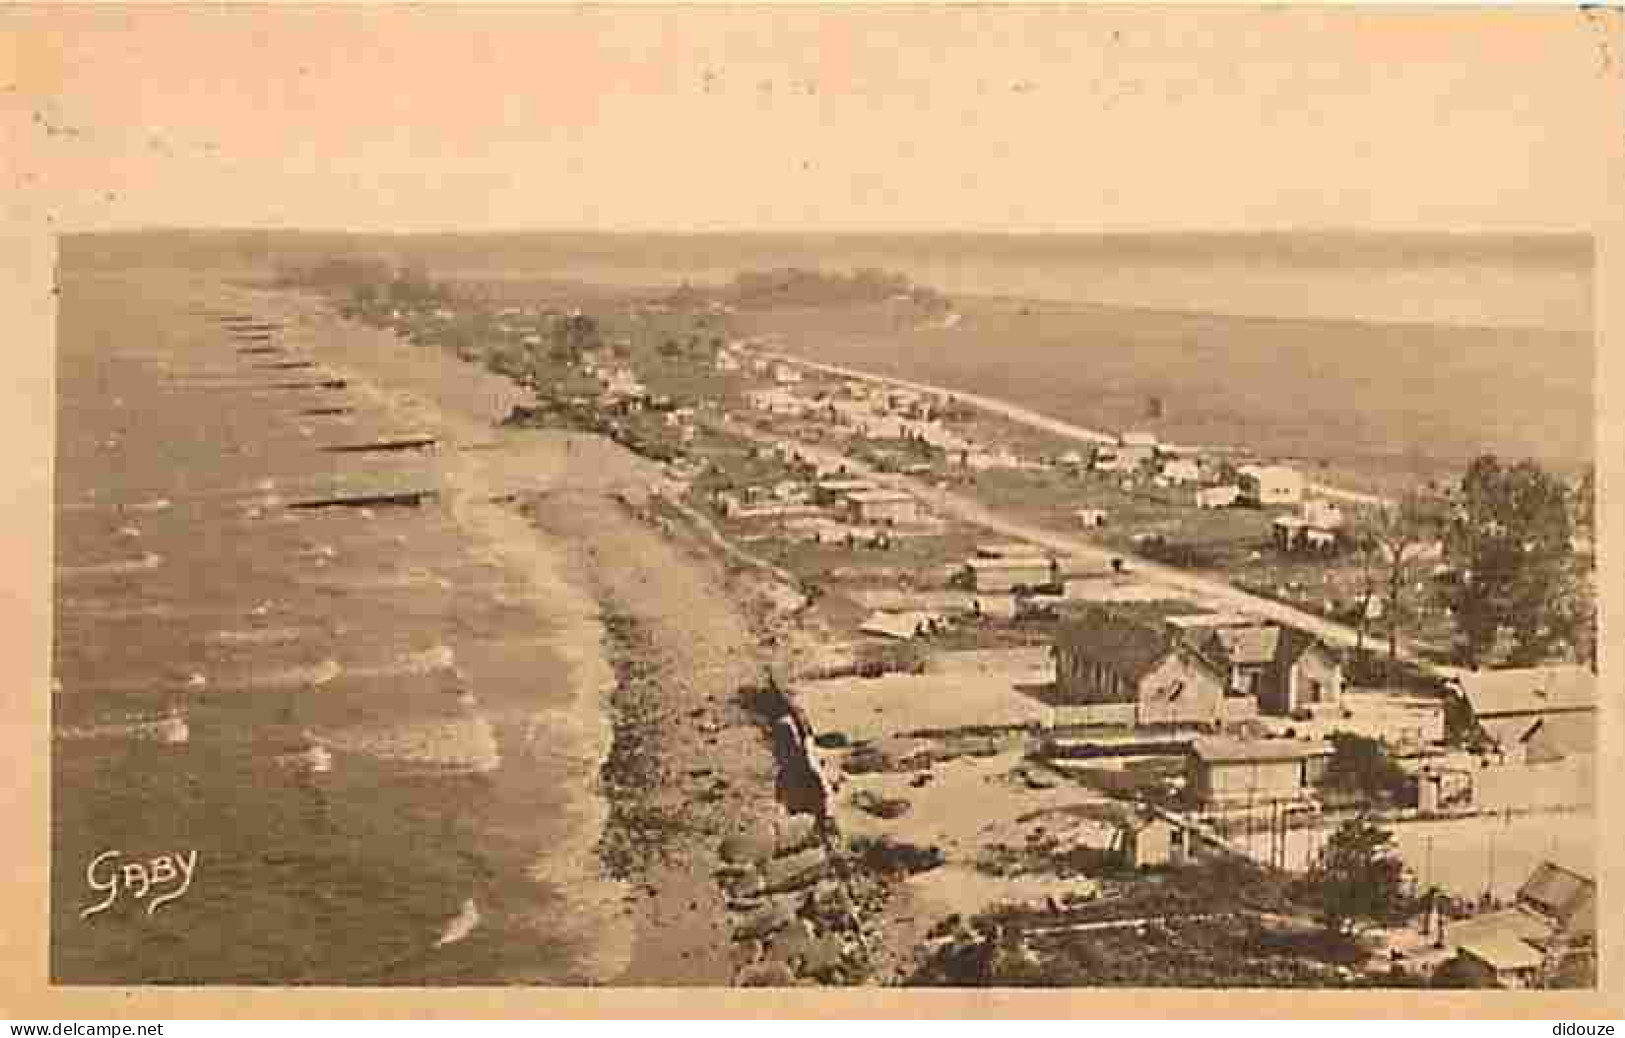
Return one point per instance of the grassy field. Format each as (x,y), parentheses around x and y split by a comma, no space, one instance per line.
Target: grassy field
(1375,406)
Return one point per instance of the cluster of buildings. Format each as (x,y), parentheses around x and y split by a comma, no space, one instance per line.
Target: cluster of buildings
(1244,708)
(1552,921)
(870,411)
(1208,672)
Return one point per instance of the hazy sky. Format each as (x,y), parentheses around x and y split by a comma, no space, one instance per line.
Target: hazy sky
(845,118)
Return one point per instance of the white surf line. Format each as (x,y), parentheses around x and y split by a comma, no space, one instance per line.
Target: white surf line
(461,925)
(148,561)
(171,728)
(1024,416)
(436,659)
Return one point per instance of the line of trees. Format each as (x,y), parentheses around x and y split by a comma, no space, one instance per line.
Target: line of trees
(367,281)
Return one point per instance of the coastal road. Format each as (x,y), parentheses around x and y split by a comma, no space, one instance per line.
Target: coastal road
(1031,419)
(1207,591)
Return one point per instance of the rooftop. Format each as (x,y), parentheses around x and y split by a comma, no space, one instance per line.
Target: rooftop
(1502,951)
(1248,646)
(1010,549)
(878,496)
(1019,562)
(1558,892)
(1227,751)
(1527,690)
(1126,647)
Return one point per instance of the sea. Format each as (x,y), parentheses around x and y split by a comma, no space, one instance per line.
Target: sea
(335,745)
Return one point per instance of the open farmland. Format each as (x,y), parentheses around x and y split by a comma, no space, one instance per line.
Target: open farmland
(1372,406)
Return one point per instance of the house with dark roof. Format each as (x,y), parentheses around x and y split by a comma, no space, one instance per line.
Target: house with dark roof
(1288,671)
(1105,659)
(1532,714)
(1553,919)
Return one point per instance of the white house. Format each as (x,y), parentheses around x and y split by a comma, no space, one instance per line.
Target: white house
(1218,497)
(1181,470)
(1264,485)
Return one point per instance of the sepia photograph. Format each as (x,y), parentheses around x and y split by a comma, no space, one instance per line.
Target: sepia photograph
(879,497)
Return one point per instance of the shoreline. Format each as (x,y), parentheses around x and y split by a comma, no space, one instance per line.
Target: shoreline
(647,920)
(688,763)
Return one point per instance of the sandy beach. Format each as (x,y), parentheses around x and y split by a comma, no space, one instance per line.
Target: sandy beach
(660,653)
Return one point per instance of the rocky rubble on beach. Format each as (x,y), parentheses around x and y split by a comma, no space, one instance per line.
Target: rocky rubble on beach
(726,884)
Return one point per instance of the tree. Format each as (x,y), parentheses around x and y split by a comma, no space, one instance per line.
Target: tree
(1511,537)
(1357,878)
(1362,765)
(1391,540)
(574,335)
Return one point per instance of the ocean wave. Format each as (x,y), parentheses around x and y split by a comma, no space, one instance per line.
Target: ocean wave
(172,729)
(147,562)
(464,745)
(465,922)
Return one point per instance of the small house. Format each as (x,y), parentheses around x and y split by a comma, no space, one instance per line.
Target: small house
(1532,714)
(1104,659)
(1179,471)
(1268,485)
(834,491)
(1002,575)
(1218,497)
(1286,670)
(775,401)
(1229,772)
(889,507)
(1553,918)
(1501,960)
(1146,841)
(1091,518)
(1136,448)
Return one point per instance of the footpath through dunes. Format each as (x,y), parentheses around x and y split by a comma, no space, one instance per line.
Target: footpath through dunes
(359,689)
